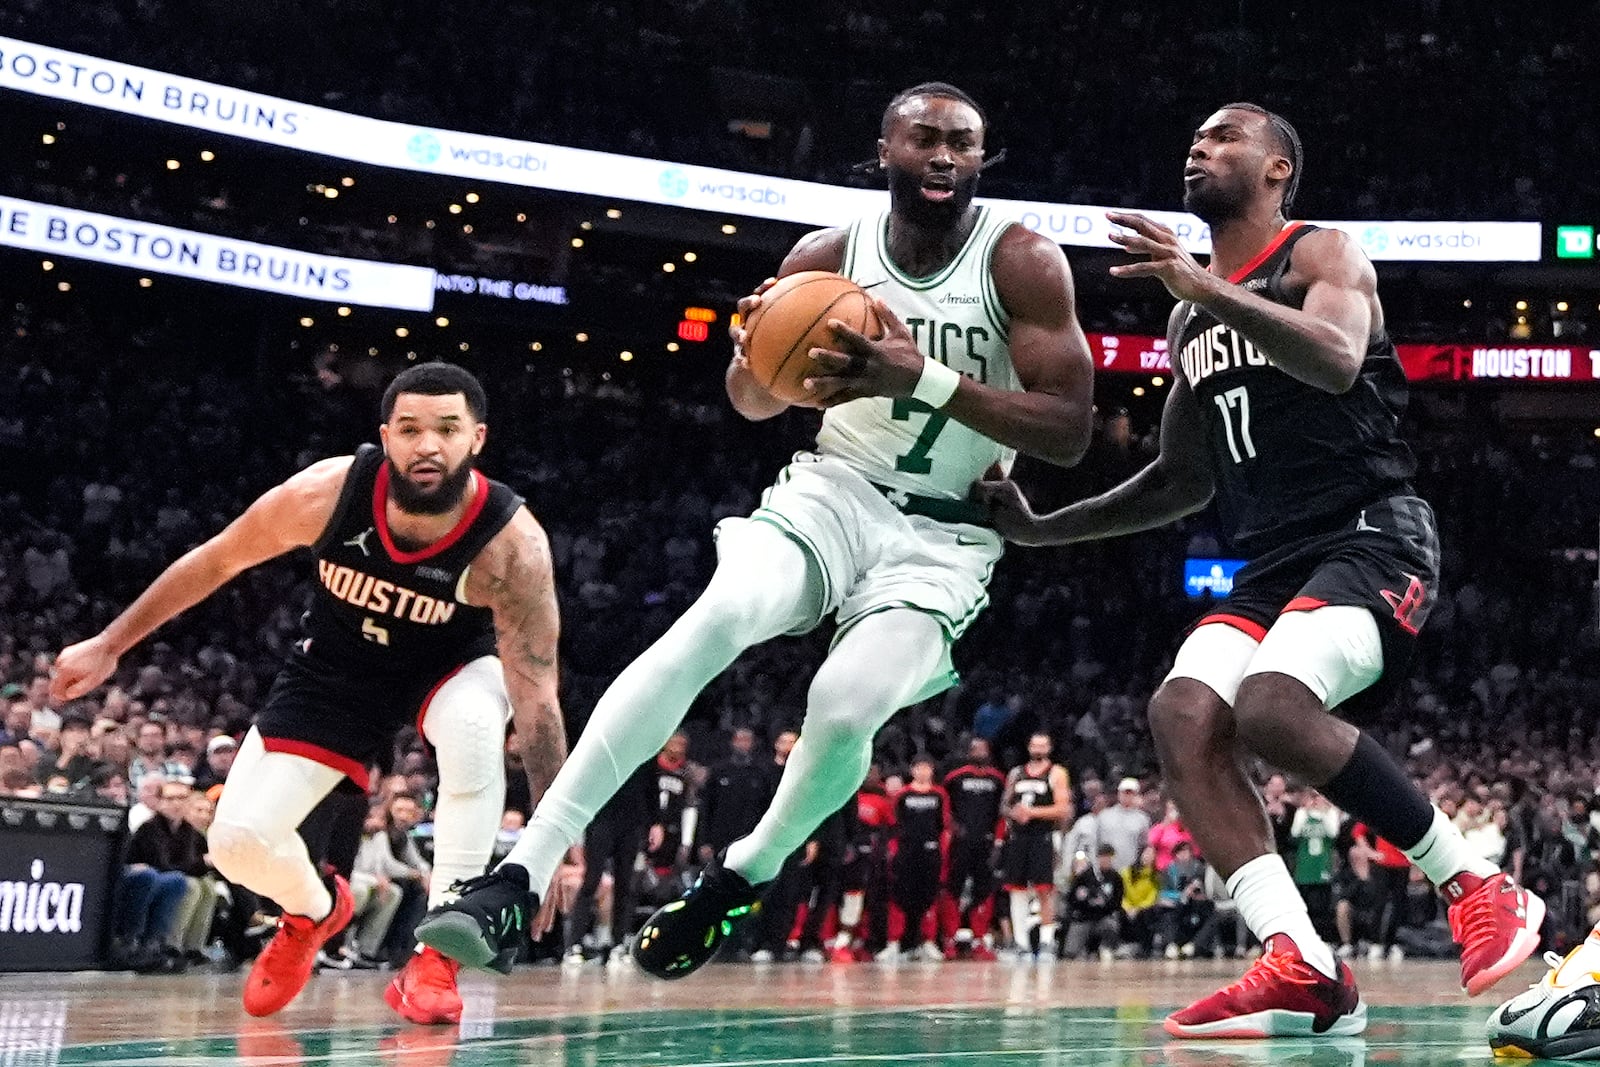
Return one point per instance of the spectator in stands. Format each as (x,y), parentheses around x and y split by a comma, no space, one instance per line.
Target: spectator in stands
(1125,826)
(1183,902)
(1094,905)
(377,896)
(1141,892)
(220,751)
(1313,831)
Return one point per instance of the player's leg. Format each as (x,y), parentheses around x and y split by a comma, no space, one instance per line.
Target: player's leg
(254,842)
(464,719)
(1318,659)
(764,585)
(873,670)
(1193,724)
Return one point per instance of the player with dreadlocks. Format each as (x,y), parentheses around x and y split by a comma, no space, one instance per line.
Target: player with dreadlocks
(983,357)
(1286,406)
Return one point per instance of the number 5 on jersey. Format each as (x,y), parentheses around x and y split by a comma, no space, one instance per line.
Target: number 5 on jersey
(373,632)
(1236,400)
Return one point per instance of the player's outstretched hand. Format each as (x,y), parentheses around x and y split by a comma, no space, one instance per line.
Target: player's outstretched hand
(81,668)
(563,893)
(1169,263)
(889,366)
(1009,510)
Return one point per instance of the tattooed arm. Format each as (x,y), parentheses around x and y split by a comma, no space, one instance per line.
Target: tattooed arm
(513,577)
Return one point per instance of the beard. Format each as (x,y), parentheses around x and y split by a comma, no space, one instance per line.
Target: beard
(415,500)
(1212,202)
(905,193)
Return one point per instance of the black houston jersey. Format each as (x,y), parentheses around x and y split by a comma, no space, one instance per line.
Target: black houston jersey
(1033,791)
(920,817)
(386,612)
(1290,459)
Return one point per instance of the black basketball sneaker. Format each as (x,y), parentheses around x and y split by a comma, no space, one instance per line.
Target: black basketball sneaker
(683,936)
(488,922)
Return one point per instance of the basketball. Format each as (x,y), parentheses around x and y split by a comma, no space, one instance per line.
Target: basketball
(792,319)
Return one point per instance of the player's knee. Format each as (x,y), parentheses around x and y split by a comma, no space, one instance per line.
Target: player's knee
(1262,713)
(1187,719)
(469,744)
(238,851)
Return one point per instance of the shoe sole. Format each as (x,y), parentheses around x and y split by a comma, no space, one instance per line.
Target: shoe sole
(395,997)
(458,937)
(1274,1023)
(1522,946)
(1572,1047)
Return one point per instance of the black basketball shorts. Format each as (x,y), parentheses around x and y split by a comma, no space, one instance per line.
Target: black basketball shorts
(1029,860)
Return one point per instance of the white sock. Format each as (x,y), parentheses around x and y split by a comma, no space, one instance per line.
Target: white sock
(1443,853)
(762,587)
(1021,918)
(1271,903)
(875,669)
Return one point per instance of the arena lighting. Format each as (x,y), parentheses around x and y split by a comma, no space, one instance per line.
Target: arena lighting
(344,313)
(672,346)
(577,242)
(1561,305)
(455,209)
(331,193)
(582,337)
(700,314)
(145,283)
(48,138)
(394,218)
(669,267)
(537,346)
(441,321)
(401,331)
(521,217)
(625,356)
(207,156)
(65,287)
(173,164)
(613,212)
(347,182)
(1466,303)
(690,330)
(308,321)
(1138,390)
(47,265)
(472,198)
(429,224)
(1522,305)
(585,225)
(372,351)
(1158,381)
(467,228)
(689,257)
(463,346)
(728,227)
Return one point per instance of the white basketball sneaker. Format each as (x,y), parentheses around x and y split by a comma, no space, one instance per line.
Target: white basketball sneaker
(1557,1018)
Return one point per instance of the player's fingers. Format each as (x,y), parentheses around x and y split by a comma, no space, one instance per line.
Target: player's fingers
(848,338)
(1133,220)
(825,362)
(892,326)
(1148,269)
(1140,245)
(764,286)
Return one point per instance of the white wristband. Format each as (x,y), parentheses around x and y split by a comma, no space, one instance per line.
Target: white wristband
(937,384)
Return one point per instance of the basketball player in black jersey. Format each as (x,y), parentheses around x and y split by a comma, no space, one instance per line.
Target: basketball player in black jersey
(1038,802)
(435,605)
(1285,407)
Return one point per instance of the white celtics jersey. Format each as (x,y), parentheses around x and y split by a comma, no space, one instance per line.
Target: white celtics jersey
(956,317)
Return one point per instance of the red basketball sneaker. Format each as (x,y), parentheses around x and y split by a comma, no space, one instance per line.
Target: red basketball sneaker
(1281,995)
(425,991)
(1496,922)
(284,966)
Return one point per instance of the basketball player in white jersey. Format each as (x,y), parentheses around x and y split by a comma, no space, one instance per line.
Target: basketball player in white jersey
(876,527)
(435,605)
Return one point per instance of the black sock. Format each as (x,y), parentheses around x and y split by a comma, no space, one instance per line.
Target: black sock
(1376,789)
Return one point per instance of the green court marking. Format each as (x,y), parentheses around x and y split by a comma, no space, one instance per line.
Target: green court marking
(1011,1036)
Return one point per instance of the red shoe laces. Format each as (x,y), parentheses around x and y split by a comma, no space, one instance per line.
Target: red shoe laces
(1474,923)
(1274,966)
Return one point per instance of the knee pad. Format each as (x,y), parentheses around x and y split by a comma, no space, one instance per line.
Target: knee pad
(468,737)
(238,851)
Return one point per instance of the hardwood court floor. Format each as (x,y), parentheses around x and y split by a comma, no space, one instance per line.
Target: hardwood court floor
(982,1015)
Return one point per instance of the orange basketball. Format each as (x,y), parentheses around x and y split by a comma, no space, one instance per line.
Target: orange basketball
(792,319)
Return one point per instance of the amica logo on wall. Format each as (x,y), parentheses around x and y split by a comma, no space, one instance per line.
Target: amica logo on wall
(37,906)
